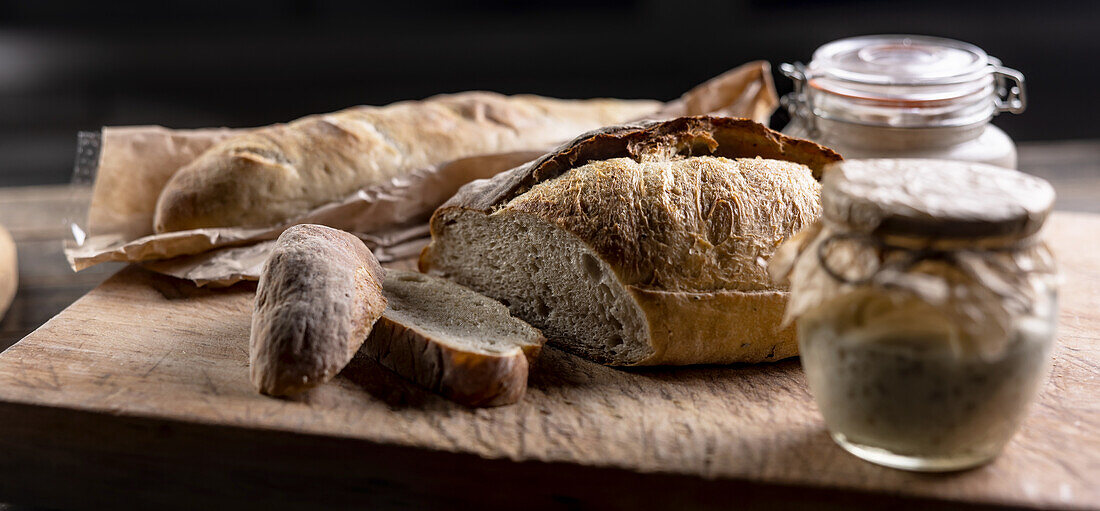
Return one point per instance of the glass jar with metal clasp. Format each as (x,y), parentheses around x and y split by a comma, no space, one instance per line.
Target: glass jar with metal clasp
(905,96)
(926,304)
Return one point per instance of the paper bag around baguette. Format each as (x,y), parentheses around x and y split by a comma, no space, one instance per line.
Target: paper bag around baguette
(744,91)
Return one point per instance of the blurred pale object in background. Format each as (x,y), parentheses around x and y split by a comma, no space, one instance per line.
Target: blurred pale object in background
(9,270)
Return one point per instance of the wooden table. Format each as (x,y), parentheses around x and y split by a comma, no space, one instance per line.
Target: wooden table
(47,286)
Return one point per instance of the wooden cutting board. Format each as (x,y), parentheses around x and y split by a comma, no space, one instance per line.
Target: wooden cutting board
(138,395)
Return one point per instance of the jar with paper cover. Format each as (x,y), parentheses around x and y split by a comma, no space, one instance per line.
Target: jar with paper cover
(925,305)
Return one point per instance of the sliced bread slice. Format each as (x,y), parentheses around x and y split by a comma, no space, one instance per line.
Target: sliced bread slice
(452,340)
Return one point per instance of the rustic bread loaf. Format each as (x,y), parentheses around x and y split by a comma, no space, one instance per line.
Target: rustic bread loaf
(640,244)
(319,294)
(452,340)
(272,174)
(9,270)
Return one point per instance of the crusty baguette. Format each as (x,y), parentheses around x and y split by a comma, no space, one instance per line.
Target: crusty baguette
(452,340)
(641,244)
(319,294)
(272,174)
(9,270)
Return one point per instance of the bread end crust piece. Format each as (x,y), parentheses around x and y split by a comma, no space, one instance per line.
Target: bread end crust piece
(424,341)
(668,298)
(319,295)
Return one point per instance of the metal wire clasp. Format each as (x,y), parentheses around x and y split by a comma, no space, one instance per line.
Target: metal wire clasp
(798,102)
(1011,94)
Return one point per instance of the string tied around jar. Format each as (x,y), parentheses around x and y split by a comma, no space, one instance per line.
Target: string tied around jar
(985,266)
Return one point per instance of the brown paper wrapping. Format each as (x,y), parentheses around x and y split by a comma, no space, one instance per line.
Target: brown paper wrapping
(136,162)
(134,165)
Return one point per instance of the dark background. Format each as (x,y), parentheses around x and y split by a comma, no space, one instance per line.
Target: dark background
(69,66)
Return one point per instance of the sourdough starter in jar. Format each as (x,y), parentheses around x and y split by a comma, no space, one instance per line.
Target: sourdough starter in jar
(901,96)
(925,307)
(912,400)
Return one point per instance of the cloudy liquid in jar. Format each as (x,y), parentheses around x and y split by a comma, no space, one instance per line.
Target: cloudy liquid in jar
(908,398)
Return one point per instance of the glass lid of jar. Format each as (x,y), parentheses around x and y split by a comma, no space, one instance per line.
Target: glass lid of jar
(905,81)
(899,60)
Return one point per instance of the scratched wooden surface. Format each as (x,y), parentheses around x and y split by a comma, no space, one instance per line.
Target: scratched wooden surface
(151,348)
(138,396)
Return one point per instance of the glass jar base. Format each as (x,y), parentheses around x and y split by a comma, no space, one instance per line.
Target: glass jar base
(880,456)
